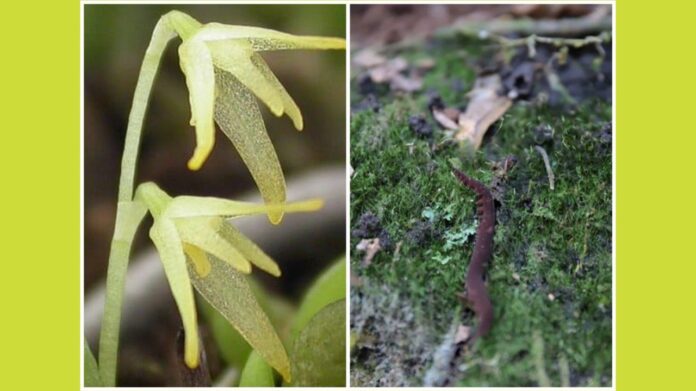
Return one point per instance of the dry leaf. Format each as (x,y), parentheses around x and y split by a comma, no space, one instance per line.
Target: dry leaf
(444,120)
(368,58)
(381,71)
(485,107)
(463,334)
(452,113)
(400,82)
(387,71)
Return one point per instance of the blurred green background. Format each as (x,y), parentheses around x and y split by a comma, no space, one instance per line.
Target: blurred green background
(115,39)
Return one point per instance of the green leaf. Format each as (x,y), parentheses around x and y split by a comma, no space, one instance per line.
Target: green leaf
(92,378)
(319,353)
(256,372)
(229,292)
(329,287)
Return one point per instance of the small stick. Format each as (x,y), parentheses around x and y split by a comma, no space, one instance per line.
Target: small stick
(558,42)
(549,172)
(598,20)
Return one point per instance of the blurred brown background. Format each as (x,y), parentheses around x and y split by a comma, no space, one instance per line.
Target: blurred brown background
(115,40)
(384,24)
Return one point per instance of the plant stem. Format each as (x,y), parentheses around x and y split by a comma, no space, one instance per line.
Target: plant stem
(128,213)
(111,321)
(160,37)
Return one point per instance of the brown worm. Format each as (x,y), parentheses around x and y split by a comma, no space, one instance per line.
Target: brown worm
(476,293)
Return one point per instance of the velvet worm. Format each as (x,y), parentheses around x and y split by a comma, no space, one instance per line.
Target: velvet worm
(476,293)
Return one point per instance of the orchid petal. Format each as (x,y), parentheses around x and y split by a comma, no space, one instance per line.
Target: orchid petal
(190,206)
(249,249)
(262,39)
(228,291)
(201,232)
(295,42)
(236,56)
(199,259)
(238,116)
(165,237)
(289,104)
(197,65)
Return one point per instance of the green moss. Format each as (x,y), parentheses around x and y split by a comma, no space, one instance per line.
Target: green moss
(554,242)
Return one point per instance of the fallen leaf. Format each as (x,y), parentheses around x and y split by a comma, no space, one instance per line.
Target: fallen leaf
(393,71)
(400,82)
(463,334)
(452,113)
(385,72)
(368,58)
(444,120)
(485,107)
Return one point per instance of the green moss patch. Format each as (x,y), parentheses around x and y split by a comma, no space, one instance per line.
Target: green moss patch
(551,272)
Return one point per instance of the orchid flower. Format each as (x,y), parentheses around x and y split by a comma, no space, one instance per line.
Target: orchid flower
(197,228)
(224,73)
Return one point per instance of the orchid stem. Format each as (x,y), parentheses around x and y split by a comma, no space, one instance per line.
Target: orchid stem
(160,37)
(127,211)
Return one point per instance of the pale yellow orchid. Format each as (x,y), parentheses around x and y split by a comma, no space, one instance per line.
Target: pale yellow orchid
(224,74)
(197,227)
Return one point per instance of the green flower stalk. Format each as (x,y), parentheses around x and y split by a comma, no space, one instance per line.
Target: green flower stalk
(225,75)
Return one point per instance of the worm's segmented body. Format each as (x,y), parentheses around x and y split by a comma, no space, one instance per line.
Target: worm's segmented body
(476,292)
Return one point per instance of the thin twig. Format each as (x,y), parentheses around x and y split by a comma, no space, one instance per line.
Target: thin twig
(549,172)
(598,20)
(531,41)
